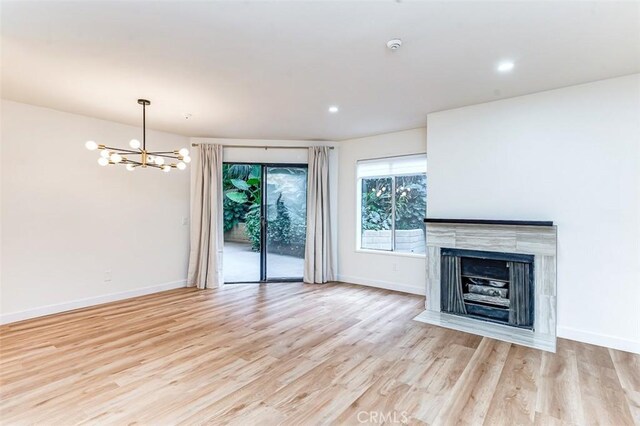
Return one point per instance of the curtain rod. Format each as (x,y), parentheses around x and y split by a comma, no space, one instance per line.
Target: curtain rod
(387,157)
(261,146)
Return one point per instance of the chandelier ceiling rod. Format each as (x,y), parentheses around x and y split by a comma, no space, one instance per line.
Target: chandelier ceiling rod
(144,104)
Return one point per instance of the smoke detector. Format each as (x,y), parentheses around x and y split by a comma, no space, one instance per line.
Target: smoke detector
(394,43)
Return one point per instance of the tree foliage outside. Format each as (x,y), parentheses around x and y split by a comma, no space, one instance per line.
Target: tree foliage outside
(241,184)
(376,204)
(286,227)
(252,222)
(410,202)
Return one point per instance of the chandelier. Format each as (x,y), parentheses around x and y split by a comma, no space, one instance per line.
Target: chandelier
(138,155)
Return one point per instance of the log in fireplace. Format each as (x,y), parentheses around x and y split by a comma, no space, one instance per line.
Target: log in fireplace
(492,286)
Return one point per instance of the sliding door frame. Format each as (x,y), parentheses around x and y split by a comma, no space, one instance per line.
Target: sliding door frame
(263,220)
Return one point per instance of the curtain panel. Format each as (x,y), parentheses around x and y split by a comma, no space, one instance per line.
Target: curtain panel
(520,310)
(451,297)
(318,258)
(207,233)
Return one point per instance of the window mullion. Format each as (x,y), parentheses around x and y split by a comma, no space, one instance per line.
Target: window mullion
(393,213)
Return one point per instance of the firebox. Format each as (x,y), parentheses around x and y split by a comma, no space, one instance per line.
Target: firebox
(491,286)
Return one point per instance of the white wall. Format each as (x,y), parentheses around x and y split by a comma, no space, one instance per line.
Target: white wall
(292,156)
(403,272)
(572,156)
(66,220)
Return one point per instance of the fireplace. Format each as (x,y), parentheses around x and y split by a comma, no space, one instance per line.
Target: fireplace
(494,278)
(491,286)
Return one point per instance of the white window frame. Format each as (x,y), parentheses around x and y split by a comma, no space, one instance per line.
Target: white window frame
(358,247)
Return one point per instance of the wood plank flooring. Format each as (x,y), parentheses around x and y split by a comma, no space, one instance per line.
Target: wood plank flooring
(296,354)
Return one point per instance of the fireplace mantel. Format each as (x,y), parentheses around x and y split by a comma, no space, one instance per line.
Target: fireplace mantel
(537,238)
(490,222)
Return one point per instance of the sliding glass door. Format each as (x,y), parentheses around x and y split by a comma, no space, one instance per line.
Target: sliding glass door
(286,219)
(242,203)
(264,221)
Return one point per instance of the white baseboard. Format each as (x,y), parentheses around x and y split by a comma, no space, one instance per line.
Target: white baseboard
(89,301)
(599,339)
(387,285)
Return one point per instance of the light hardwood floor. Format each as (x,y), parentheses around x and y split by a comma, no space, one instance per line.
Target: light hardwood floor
(296,354)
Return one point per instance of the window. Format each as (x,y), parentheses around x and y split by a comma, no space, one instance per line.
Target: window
(393,203)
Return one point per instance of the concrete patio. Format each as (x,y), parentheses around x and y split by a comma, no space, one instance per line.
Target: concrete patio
(241,264)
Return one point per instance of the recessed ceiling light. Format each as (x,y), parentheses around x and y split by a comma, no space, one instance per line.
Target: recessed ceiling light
(333,109)
(505,66)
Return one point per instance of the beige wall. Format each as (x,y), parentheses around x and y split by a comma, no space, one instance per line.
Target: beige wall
(402,272)
(66,220)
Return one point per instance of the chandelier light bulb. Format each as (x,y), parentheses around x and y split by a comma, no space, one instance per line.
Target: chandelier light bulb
(166,169)
(184,152)
(103,161)
(187,159)
(91,145)
(134,143)
(131,167)
(105,154)
(181,165)
(159,161)
(116,158)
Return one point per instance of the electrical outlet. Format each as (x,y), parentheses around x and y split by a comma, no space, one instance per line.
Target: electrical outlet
(185,221)
(395,267)
(107,276)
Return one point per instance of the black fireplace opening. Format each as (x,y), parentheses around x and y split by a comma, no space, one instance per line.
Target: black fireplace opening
(490,286)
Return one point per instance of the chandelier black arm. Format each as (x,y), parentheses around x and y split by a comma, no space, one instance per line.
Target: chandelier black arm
(122,150)
(137,163)
(127,161)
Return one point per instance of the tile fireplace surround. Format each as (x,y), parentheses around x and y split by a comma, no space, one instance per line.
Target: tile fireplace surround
(521,237)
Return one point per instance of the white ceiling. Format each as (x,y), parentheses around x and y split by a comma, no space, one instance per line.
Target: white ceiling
(270,70)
